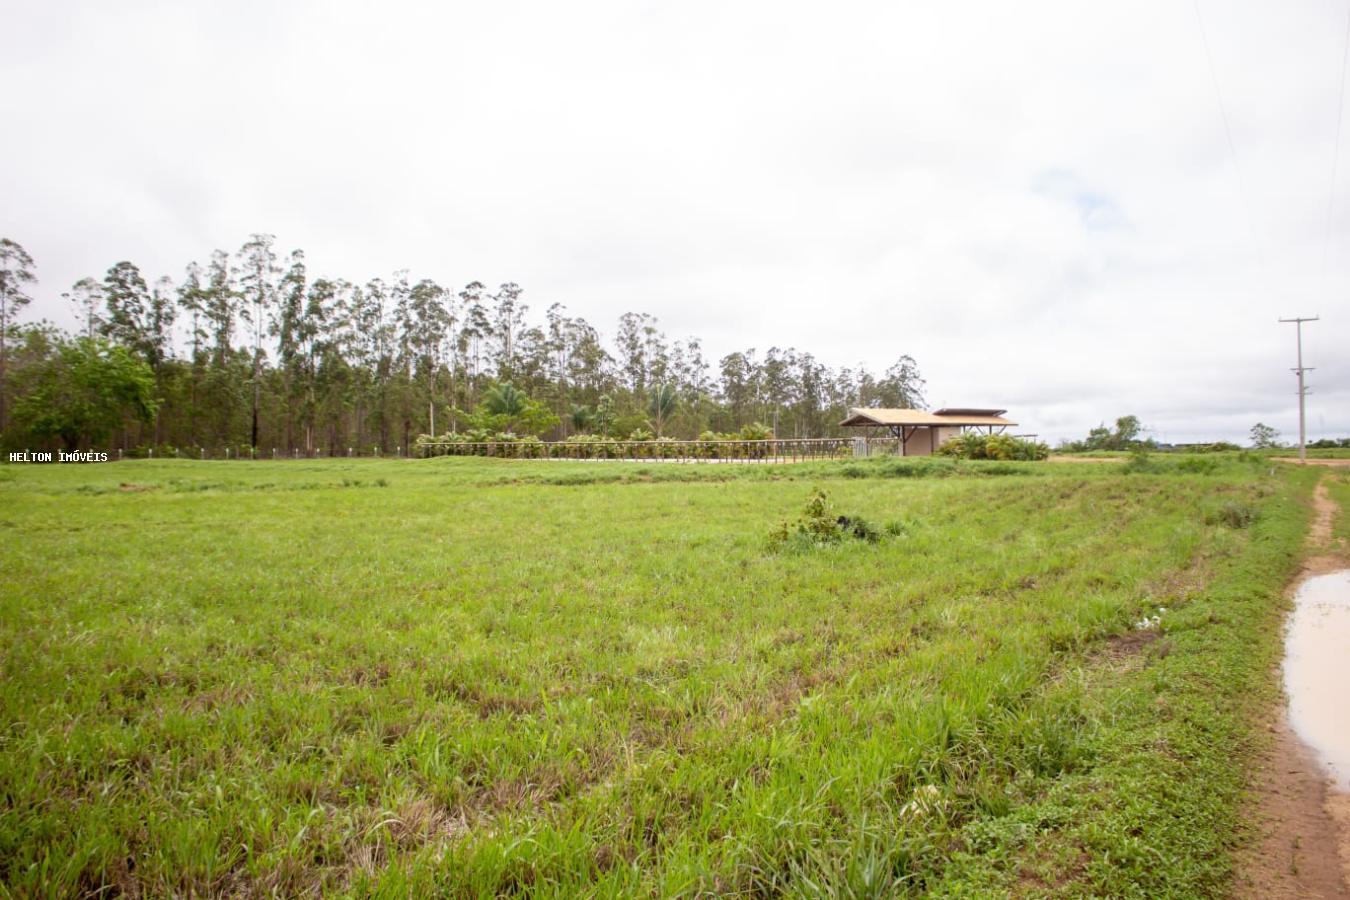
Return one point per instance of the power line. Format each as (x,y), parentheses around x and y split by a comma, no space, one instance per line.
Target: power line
(1227,129)
(1336,151)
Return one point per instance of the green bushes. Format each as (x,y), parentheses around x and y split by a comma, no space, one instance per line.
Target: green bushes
(751,442)
(1198,465)
(1216,447)
(994,446)
(820,525)
(1233,514)
(1140,463)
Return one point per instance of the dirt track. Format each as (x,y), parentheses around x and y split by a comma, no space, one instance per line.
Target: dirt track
(1303,849)
(1336,463)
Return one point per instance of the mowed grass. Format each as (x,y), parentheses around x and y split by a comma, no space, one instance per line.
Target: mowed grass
(476,677)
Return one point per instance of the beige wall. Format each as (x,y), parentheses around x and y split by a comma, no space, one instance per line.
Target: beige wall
(920,443)
(927,438)
(946,433)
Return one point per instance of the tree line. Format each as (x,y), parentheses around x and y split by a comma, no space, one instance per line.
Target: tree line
(251,349)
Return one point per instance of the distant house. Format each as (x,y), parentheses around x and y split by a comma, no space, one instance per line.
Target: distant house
(921,432)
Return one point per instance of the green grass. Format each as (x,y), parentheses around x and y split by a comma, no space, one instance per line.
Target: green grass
(1312,452)
(1338,487)
(471,676)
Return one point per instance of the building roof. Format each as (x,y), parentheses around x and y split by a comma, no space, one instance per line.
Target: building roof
(967,411)
(950,417)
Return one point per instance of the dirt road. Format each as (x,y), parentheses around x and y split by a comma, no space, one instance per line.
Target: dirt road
(1303,848)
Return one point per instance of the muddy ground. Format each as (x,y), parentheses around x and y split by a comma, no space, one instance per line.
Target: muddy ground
(1303,849)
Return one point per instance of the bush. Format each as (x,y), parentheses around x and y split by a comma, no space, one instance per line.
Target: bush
(820,526)
(860,528)
(1216,447)
(993,446)
(1234,514)
(1140,462)
(1198,465)
(754,431)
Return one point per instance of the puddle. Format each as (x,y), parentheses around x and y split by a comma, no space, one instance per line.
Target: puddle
(1317,670)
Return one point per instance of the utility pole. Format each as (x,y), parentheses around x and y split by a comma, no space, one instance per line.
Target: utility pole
(1302,389)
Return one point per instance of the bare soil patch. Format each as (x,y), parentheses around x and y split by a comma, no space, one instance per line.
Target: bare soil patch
(1334,463)
(1303,843)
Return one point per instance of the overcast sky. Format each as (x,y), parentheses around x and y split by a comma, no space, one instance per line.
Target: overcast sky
(1035,200)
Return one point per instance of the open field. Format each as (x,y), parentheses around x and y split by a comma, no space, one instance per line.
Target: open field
(475,676)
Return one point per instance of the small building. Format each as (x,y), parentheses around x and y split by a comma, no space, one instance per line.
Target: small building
(921,432)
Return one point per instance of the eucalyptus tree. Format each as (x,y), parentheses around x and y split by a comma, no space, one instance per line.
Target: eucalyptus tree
(531,362)
(192,300)
(429,322)
(559,350)
(16,273)
(289,328)
(258,272)
(378,330)
(473,334)
(317,346)
(776,383)
(224,374)
(631,352)
(400,383)
(508,321)
(140,318)
(739,387)
(901,386)
(86,298)
(127,298)
(589,365)
(159,321)
(655,351)
(811,395)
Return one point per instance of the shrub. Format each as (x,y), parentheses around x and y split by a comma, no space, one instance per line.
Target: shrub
(1140,462)
(820,526)
(1216,447)
(993,446)
(860,528)
(1198,465)
(1234,514)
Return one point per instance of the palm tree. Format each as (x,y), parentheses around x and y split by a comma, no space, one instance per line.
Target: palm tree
(662,405)
(504,400)
(581,418)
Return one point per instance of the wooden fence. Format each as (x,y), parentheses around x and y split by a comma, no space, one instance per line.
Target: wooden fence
(766,451)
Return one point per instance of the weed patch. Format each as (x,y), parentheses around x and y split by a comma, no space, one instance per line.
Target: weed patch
(820,525)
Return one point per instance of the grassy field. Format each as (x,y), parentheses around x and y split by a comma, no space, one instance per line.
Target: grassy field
(1338,486)
(479,677)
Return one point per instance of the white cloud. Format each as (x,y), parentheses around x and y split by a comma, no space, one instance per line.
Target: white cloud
(1037,201)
